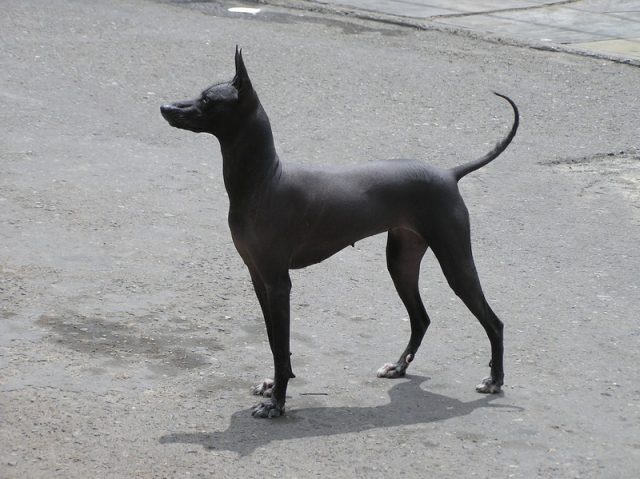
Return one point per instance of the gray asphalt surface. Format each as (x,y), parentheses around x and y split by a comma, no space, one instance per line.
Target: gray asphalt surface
(129,333)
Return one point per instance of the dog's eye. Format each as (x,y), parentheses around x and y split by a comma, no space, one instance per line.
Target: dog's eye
(204,100)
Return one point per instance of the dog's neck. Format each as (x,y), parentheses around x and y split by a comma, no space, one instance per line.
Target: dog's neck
(249,159)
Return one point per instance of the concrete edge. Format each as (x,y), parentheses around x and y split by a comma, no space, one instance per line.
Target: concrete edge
(433,25)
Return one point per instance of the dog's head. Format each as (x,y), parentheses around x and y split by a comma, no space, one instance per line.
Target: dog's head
(219,109)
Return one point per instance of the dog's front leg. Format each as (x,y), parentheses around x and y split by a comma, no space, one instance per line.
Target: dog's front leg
(265,387)
(277,287)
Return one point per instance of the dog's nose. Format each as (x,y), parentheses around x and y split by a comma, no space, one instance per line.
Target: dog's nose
(168,111)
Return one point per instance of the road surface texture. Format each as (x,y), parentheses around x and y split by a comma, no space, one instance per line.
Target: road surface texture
(129,332)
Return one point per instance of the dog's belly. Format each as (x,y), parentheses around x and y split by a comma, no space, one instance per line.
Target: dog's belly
(307,257)
(332,236)
(313,252)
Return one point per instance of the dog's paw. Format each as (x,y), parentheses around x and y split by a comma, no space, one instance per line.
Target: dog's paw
(489,386)
(265,388)
(268,410)
(391,371)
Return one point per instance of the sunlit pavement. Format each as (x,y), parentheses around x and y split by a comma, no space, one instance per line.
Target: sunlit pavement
(596,27)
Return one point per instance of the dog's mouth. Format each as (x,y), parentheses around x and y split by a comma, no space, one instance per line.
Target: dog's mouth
(178,116)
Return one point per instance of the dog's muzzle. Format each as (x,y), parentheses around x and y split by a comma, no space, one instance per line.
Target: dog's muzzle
(170,112)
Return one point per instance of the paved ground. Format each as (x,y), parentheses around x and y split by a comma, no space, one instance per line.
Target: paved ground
(129,335)
(594,27)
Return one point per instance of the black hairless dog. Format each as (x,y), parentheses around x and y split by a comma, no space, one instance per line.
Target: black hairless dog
(283,217)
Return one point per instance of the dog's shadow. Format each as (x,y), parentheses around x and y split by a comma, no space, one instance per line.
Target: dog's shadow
(409,404)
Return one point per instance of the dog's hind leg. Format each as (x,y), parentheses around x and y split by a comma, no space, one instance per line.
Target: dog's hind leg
(453,251)
(405,250)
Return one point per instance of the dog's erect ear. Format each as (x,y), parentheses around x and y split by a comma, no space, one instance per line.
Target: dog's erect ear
(241,81)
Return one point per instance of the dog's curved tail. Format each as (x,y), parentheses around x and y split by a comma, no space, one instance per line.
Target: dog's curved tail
(462,170)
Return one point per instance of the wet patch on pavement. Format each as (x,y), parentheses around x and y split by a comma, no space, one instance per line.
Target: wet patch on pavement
(117,340)
(602,172)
